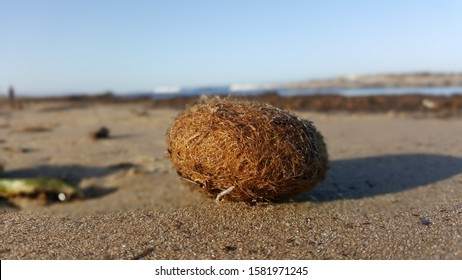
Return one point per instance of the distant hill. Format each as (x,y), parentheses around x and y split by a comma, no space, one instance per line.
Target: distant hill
(418,79)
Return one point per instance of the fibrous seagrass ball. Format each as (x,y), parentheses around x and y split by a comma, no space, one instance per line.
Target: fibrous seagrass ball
(246,152)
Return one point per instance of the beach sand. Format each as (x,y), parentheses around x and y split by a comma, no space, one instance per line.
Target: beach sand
(394,191)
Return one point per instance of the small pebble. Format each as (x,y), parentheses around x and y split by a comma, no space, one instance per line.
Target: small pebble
(229,248)
(102,133)
(425,221)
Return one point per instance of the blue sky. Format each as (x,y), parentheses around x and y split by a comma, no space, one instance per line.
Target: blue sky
(91,46)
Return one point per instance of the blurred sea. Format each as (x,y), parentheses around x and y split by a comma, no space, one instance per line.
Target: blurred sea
(162,93)
(170,92)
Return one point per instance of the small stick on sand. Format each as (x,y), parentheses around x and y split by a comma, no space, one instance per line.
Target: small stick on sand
(190,181)
(223,193)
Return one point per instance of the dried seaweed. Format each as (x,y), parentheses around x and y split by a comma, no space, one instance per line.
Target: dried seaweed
(261,152)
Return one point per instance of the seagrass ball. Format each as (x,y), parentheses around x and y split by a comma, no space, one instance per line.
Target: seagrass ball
(241,151)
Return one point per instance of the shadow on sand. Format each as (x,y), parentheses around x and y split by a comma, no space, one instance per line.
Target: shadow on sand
(371,176)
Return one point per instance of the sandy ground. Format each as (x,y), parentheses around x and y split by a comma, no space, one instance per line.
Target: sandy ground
(394,191)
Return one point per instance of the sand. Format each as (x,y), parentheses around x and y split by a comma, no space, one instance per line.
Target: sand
(394,191)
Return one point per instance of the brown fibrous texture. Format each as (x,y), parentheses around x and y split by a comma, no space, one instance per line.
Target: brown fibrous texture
(263,153)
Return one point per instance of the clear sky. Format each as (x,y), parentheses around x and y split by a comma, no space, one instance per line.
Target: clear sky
(57,46)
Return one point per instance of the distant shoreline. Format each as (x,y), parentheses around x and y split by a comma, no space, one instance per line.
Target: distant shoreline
(428,105)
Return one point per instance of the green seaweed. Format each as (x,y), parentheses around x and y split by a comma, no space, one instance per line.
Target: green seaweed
(53,188)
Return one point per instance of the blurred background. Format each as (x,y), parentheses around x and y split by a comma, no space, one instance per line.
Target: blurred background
(53,47)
